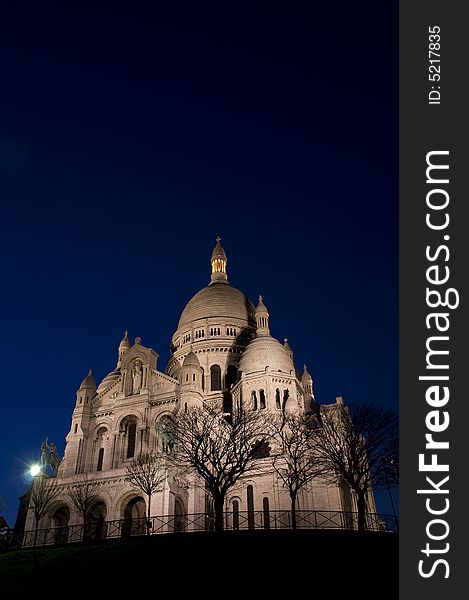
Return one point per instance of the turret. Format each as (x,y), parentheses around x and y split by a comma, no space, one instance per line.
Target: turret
(123,347)
(191,381)
(262,319)
(87,389)
(307,382)
(288,349)
(72,462)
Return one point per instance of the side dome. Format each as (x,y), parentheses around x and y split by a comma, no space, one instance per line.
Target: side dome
(218,300)
(191,360)
(263,352)
(110,378)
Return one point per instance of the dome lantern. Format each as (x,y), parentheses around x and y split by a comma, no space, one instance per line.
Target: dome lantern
(218,262)
(262,318)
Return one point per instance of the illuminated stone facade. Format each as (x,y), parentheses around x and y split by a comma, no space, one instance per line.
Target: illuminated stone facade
(222,352)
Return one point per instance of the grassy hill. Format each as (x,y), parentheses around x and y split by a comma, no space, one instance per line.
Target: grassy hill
(301,563)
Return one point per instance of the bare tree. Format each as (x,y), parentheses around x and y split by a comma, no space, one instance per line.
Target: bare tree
(220,452)
(354,443)
(146,473)
(44,492)
(83,498)
(294,458)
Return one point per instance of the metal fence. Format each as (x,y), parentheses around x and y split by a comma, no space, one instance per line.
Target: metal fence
(233,521)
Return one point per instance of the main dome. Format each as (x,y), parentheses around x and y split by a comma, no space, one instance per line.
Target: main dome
(218,300)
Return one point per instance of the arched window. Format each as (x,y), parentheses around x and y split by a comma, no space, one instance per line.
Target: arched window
(250,498)
(277,399)
(266,512)
(179,516)
(131,438)
(100,459)
(235,514)
(253,400)
(286,395)
(261,399)
(215,377)
(60,521)
(231,375)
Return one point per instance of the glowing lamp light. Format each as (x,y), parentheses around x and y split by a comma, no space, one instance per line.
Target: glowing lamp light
(35,470)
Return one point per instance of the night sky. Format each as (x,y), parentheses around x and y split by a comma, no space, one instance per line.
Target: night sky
(130,139)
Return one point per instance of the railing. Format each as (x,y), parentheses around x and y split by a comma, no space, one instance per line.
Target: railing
(249,520)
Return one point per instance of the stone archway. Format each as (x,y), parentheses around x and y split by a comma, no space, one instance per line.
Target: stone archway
(97,521)
(60,519)
(134,517)
(179,516)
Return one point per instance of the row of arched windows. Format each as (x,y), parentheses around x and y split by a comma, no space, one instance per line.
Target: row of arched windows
(250,511)
(258,402)
(258,399)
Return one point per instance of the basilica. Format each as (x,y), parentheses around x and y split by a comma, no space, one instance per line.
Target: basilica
(221,351)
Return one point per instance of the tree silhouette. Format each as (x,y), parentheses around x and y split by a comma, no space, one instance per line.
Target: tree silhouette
(294,458)
(220,452)
(354,443)
(44,492)
(146,473)
(83,498)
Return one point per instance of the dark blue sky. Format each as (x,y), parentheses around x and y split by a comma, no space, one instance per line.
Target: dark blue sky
(130,139)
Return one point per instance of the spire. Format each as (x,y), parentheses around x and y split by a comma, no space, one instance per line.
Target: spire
(123,347)
(218,262)
(262,318)
(287,347)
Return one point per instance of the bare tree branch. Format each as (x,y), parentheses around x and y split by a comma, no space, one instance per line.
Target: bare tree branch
(44,492)
(220,452)
(354,444)
(83,497)
(147,473)
(294,458)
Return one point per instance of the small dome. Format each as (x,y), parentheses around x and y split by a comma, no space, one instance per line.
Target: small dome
(191,360)
(306,376)
(125,343)
(88,383)
(264,352)
(110,378)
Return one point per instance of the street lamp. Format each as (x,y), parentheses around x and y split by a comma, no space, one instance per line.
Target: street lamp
(35,470)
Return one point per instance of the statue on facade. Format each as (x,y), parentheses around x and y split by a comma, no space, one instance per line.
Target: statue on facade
(137,373)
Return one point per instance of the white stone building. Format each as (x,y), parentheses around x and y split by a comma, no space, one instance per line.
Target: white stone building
(221,351)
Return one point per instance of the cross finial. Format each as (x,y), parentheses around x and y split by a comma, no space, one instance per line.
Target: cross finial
(218,239)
